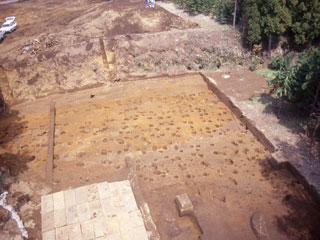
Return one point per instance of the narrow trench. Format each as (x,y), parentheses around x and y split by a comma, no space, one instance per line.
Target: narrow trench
(104,59)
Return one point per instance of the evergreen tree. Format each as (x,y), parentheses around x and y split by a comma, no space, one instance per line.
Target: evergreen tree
(252,16)
(305,20)
(275,19)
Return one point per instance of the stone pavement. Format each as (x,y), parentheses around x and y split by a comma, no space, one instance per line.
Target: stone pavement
(106,211)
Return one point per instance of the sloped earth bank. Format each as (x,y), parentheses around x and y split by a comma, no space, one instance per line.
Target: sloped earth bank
(183,139)
(57,47)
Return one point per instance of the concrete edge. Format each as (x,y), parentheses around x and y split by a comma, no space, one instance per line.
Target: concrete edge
(274,160)
(277,163)
(150,226)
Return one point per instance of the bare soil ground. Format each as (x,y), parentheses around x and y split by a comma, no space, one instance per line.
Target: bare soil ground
(280,122)
(181,136)
(63,37)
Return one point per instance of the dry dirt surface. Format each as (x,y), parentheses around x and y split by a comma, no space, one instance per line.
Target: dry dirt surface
(57,46)
(182,138)
(63,46)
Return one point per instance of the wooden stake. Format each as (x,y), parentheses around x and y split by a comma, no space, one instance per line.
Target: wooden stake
(49,163)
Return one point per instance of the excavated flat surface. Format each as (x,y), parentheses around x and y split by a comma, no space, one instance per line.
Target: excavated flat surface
(182,138)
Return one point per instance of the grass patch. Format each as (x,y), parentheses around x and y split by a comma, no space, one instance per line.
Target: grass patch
(267,73)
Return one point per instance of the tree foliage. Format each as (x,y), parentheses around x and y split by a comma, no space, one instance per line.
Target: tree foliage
(252,15)
(297,82)
(222,9)
(305,16)
(265,20)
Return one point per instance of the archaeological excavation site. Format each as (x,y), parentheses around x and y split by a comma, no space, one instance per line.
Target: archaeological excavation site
(120,121)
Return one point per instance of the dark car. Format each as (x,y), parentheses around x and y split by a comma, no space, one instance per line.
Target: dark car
(2,33)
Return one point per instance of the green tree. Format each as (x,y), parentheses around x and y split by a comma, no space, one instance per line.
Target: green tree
(275,19)
(252,18)
(298,82)
(305,20)
(223,10)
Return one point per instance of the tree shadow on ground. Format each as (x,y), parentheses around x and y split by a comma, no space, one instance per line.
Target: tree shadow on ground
(287,113)
(302,220)
(11,163)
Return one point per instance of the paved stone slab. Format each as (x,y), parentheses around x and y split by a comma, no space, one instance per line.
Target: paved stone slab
(62,233)
(83,211)
(70,198)
(74,231)
(105,211)
(72,215)
(58,201)
(81,194)
(112,224)
(49,235)
(93,193)
(100,229)
(103,189)
(95,208)
(87,230)
(47,220)
(60,219)
(46,203)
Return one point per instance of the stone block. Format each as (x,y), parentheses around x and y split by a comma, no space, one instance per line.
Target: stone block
(47,221)
(58,201)
(74,231)
(59,217)
(87,230)
(70,198)
(139,233)
(259,226)
(62,233)
(46,203)
(83,211)
(184,204)
(100,229)
(49,235)
(95,209)
(125,187)
(112,224)
(93,193)
(103,190)
(136,218)
(124,223)
(117,202)
(72,215)
(107,206)
(129,201)
(81,194)
(114,188)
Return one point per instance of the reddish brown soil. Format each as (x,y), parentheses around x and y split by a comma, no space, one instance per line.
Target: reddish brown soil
(182,138)
(242,84)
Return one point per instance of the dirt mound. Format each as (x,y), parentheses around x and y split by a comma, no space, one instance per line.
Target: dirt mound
(36,63)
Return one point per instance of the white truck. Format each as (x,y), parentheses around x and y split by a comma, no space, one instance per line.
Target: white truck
(10,25)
